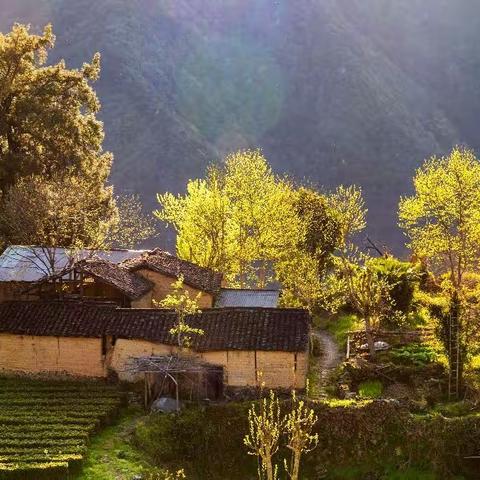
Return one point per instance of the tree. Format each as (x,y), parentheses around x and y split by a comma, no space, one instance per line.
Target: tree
(366,290)
(350,210)
(64,211)
(133,226)
(183,305)
(442,218)
(53,172)
(201,222)
(263,439)
(442,222)
(240,220)
(317,237)
(47,113)
(299,424)
(328,223)
(268,427)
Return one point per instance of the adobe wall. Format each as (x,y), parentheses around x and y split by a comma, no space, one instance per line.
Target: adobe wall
(83,356)
(241,368)
(120,355)
(75,356)
(162,287)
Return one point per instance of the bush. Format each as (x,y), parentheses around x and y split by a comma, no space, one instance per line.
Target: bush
(436,305)
(376,436)
(341,325)
(402,278)
(370,389)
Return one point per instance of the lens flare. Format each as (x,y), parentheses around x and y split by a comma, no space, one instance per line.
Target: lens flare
(230,86)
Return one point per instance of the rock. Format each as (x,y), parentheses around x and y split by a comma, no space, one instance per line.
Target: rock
(378,345)
(164,404)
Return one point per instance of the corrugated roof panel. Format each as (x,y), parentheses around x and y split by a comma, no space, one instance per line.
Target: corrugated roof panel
(247,298)
(20,263)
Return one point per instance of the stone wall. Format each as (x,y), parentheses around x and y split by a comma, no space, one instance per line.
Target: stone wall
(74,356)
(163,286)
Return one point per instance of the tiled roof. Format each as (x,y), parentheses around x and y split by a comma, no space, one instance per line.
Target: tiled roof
(157,260)
(224,329)
(129,283)
(20,263)
(230,297)
(56,319)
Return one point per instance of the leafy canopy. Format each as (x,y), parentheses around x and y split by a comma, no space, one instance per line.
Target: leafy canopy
(53,172)
(255,226)
(442,218)
(180,301)
(47,112)
(239,220)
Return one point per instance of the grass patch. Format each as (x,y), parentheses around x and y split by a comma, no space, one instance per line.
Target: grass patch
(341,325)
(112,456)
(370,389)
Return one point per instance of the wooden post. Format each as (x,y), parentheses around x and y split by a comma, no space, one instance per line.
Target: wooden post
(348,347)
(145,399)
(177,396)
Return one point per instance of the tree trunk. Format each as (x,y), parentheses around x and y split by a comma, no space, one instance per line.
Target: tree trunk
(269,468)
(369,336)
(296,466)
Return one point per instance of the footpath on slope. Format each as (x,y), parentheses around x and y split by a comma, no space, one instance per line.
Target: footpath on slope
(323,366)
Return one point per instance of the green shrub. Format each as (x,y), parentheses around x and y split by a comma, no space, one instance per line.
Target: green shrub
(454,409)
(341,325)
(370,389)
(418,354)
(368,439)
(436,305)
(402,278)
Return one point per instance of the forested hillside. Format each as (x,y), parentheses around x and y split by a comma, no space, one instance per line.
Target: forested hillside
(336,91)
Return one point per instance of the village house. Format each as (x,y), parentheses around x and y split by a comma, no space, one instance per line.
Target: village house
(96,316)
(24,269)
(248,345)
(130,278)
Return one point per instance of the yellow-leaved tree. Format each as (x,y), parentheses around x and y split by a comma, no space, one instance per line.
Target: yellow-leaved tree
(239,220)
(180,301)
(442,221)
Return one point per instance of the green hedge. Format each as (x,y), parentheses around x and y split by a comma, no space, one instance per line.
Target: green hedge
(373,435)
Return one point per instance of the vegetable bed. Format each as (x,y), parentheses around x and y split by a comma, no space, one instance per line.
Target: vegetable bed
(45,425)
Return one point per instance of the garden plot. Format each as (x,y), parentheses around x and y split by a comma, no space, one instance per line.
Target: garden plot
(45,425)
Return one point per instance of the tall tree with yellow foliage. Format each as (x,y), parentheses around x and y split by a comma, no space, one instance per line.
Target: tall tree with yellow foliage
(442,221)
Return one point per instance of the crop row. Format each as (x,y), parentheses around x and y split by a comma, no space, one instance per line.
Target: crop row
(46,452)
(101,396)
(40,442)
(37,471)
(65,434)
(48,381)
(28,457)
(35,429)
(60,401)
(45,426)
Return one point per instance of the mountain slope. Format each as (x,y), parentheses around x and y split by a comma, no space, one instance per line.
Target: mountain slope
(339,91)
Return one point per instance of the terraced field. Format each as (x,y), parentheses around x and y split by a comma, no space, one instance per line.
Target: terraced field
(45,425)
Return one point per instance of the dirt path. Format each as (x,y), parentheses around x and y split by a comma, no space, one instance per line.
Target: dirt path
(328,360)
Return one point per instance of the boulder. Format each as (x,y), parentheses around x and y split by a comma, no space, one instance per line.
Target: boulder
(164,405)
